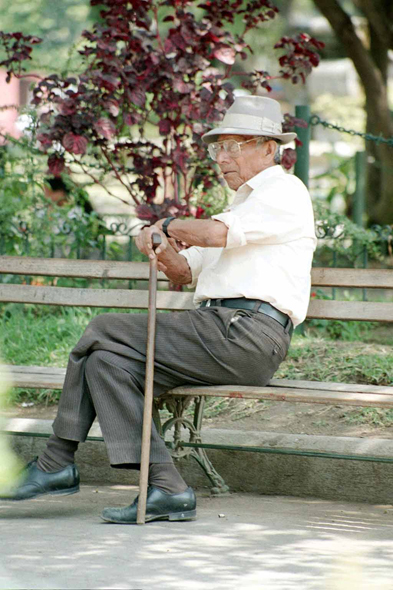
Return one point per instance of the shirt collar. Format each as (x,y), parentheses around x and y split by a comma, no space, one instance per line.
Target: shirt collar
(246,189)
(261,177)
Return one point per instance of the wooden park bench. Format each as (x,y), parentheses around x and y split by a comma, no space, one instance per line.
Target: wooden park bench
(179,399)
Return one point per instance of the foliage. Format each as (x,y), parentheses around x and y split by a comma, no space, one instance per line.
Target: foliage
(349,331)
(31,223)
(60,24)
(345,239)
(335,186)
(143,100)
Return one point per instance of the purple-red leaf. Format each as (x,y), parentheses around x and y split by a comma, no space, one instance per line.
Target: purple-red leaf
(288,158)
(131,119)
(75,144)
(181,86)
(105,128)
(56,164)
(44,140)
(225,54)
(138,97)
(145,213)
(165,126)
(113,107)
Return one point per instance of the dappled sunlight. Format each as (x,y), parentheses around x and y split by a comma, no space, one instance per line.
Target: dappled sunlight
(240,541)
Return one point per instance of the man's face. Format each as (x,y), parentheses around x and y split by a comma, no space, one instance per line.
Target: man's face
(252,160)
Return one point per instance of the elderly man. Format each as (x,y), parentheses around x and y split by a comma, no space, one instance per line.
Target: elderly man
(251,268)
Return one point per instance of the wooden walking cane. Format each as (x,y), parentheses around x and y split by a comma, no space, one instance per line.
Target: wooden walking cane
(149,381)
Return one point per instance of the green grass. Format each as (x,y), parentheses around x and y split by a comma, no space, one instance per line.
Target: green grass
(314,358)
(374,416)
(44,336)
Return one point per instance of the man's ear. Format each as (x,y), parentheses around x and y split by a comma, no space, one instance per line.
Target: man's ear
(270,149)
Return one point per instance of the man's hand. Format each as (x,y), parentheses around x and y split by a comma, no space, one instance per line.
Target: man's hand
(169,260)
(145,245)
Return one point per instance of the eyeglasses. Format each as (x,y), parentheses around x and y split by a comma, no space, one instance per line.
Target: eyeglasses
(230,146)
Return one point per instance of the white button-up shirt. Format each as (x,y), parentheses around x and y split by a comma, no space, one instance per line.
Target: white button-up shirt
(269,250)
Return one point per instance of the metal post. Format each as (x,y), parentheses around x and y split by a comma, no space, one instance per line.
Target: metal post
(78,246)
(302,165)
(129,258)
(365,265)
(358,206)
(103,257)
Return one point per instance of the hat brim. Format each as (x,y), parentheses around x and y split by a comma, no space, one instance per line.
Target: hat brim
(213,134)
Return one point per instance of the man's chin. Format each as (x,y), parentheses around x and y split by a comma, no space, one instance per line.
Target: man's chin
(231,180)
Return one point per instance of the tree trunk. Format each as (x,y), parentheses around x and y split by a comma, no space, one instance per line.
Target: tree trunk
(371,66)
(380,158)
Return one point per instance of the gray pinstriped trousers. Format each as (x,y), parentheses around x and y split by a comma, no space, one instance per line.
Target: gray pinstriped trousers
(106,370)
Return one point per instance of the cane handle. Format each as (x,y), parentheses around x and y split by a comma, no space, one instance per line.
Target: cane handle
(156,240)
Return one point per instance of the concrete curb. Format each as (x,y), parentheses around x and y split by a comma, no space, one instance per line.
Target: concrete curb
(337,479)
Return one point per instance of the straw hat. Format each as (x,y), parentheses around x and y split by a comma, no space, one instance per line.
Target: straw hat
(252,115)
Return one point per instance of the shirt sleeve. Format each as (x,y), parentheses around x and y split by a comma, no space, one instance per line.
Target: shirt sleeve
(194,257)
(270,216)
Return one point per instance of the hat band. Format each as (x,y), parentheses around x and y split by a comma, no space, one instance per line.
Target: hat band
(251,122)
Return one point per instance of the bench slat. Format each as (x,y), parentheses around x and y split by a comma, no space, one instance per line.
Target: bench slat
(117,298)
(289,395)
(292,390)
(37,381)
(89,269)
(350,310)
(17,369)
(332,386)
(170,300)
(35,374)
(105,269)
(352,277)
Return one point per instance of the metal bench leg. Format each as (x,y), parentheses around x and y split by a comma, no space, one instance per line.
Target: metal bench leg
(219,485)
(177,406)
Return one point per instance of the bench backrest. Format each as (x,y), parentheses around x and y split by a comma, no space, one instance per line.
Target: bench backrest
(171,300)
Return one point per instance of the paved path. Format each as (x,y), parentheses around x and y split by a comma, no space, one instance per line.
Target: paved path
(238,542)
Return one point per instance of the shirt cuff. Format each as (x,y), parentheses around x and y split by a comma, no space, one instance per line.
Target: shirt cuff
(194,260)
(236,236)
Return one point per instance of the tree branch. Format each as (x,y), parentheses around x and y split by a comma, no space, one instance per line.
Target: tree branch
(97,181)
(379,19)
(119,178)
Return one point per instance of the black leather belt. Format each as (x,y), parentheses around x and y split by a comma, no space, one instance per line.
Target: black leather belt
(252,305)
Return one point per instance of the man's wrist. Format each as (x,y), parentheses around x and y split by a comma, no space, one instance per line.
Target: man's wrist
(165,225)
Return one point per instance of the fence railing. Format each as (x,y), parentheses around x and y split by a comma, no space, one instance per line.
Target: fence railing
(103,239)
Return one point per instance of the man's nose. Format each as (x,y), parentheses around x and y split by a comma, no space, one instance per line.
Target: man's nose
(222,156)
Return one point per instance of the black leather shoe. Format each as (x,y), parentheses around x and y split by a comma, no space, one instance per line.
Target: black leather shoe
(33,483)
(159,506)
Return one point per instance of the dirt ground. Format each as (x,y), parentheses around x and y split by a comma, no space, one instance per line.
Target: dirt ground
(301,418)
